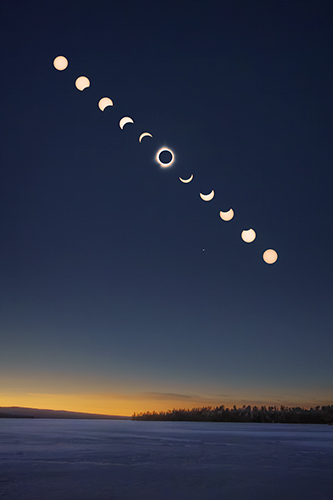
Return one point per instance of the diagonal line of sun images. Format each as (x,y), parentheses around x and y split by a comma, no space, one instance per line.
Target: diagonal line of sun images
(269,256)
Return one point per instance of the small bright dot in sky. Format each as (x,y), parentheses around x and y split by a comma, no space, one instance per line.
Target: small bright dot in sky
(168,163)
(60,63)
(82,83)
(248,235)
(270,256)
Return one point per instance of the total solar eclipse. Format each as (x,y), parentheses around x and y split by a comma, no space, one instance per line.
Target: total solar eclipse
(165,162)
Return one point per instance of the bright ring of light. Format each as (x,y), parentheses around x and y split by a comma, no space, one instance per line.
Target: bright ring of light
(164,165)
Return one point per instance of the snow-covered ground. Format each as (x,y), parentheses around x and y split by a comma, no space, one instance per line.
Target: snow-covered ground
(125,460)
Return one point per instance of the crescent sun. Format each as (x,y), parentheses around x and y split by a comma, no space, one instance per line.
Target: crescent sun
(207,197)
(227,215)
(104,103)
(124,121)
(186,181)
(145,134)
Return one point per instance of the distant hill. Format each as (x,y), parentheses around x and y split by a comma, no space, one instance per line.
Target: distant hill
(17,412)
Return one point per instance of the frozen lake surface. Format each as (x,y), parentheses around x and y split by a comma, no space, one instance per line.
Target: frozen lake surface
(44,459)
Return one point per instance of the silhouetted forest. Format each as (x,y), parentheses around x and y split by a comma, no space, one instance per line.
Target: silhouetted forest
(294,415)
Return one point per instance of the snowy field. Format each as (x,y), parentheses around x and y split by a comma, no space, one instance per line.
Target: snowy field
(124,460)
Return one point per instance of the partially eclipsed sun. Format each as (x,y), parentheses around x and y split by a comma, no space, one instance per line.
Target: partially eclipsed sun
(207,197)
(124,121)
(82,83)
(227,215)
(248,235)
(145,134)
(104,103)
(186,181)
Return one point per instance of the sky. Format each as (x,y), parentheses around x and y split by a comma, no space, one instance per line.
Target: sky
(121,290)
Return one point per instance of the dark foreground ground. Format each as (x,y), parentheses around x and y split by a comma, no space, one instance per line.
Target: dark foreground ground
(125,460)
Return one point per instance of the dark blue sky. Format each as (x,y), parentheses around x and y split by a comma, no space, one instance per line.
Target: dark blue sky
(108,301)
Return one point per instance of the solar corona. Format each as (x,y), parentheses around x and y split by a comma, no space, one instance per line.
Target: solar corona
(158,157)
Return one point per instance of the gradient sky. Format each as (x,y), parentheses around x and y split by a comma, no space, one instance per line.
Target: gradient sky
(121,290)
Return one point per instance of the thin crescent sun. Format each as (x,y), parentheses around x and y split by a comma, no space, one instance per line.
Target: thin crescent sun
(124,121)
(104,103)
(227,215)
(186,181)
(145,134)
(207,197)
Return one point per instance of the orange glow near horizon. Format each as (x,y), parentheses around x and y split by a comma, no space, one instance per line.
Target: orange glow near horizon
(123,396)
(126,405)
(101,404)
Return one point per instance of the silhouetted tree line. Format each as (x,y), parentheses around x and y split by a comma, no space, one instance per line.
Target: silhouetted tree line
(294,415)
